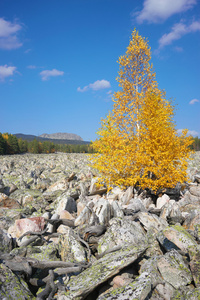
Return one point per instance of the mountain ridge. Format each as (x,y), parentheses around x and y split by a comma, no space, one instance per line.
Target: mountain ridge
(30,137)
(61,136)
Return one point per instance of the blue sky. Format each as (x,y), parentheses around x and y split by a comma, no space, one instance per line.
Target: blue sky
(58,60)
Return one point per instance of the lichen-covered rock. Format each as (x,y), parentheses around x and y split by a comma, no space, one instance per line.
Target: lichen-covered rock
(154,247)
(163,291)
(194,254)
(43,253)
(13,287)
(175,215)
(176,237)
(100,271)
(70,248)
(59,185)
(5,242)
(44,183)
(8,217)
(188,200)
(122,232)
(150,267)
(102,209)
(192,220)
(186,293)
(139,289)
(174,270)
(151,220)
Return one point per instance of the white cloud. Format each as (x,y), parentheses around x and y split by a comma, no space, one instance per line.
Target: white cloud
(190,132)
(8,35)
(178,30)
(178,49)
(97,85)
(31,67)
(193,101)
(6,71)
(46,74)
(27,51)
(159,10)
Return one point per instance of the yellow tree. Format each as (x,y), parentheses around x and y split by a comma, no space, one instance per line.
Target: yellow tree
(138,141)
(162,154)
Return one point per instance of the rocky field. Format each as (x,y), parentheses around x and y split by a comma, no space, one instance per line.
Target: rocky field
(62,237)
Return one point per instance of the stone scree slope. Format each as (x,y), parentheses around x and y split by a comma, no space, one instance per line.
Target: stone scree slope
(63,237)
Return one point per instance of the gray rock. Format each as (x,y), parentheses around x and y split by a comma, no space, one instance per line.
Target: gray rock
(65,202)
(84,217)
(151,220)
(127,196)
(194,254)
(150,267)
(186,293)
(197,178)
(195,191)
(122,232)
(100,271)
(116,210)
(175,215)
(2,186)
(135,205)
(13,287)
(5,242)
(102,209)
(47,252)
(174,270)
(175,237)
(139,289)
(70,248)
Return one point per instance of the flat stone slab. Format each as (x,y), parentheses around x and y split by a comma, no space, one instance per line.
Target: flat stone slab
(81,285)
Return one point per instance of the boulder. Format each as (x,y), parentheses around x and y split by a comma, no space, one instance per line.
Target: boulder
(139,289)
(84,217)
(100,271)
(65,202)
(161,201)
(95,188)
(174,270)
(70,248)
(48,252)
(194,254)
(122,232)
(175,237)
(29,224)
(5,242)
(151,220)
(9,203)
(195,191)
(13,287)
(102,209)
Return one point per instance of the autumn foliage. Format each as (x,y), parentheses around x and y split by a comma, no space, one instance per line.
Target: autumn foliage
(138,143)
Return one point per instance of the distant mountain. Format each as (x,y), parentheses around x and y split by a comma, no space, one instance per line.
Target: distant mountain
(29,137)
(61,136)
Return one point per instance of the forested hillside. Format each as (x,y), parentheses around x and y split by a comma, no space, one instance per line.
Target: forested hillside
(10,144)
